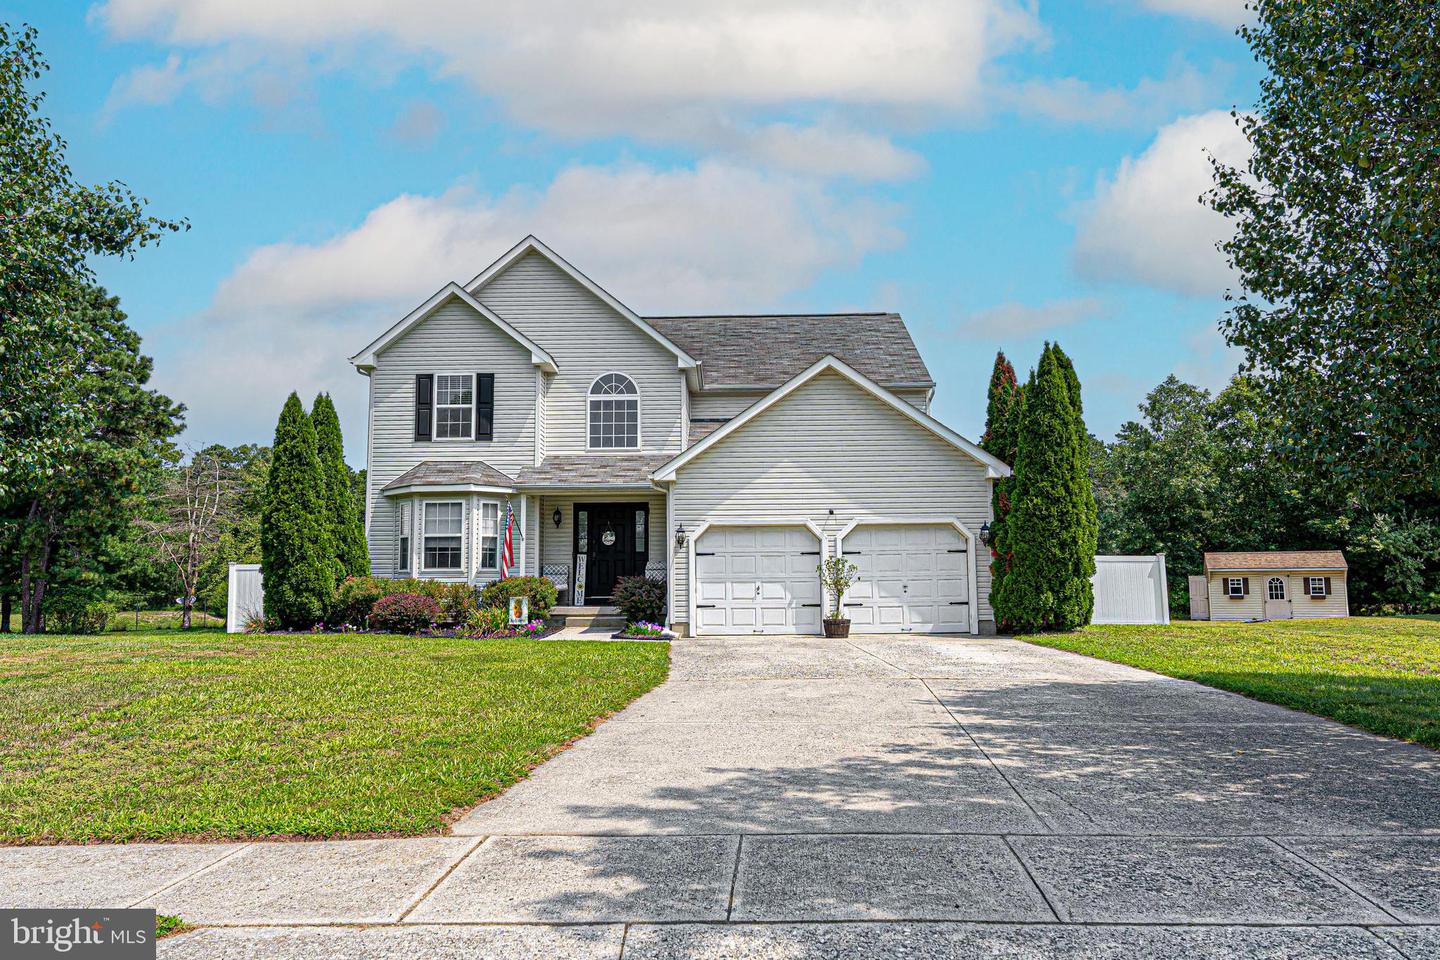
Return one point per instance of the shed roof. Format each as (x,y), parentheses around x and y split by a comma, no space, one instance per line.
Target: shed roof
(767,350)
(1277,560)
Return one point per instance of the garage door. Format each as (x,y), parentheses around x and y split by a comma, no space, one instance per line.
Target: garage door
(757,580)
(913,578)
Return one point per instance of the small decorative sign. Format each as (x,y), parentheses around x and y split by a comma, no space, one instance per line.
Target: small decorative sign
(519,610)
(579,591)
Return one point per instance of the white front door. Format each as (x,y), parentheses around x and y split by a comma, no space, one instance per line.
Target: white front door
(914,578)
(757,580)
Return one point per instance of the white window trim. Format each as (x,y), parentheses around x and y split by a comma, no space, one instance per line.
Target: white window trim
(480,535)
(639,415)
(405,552)
(1312,582)
(1234,586)
(1270,582)
(464,559)
(435,408)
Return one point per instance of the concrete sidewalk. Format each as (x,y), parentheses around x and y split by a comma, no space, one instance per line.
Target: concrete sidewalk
(882,797)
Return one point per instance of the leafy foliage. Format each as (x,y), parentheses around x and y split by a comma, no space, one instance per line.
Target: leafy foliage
(404,613)
(296,559)
(836,576)
(640,598)
(347,531)
(1048,538)
(356,597)
(78,615)
(1338,238)
(540,590)
(50,227)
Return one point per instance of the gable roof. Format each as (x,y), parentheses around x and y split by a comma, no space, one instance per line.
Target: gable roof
(365,359)
(532,244)
(993,467)
(765,350)
(1277,560)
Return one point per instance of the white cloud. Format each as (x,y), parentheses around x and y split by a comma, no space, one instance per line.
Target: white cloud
(1019,320)
(1149,102)
(715,236)
(1224,13)
(1146,223)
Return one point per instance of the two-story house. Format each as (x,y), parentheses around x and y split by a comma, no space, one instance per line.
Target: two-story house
(724,454)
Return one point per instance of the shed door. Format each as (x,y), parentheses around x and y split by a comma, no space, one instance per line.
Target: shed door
(914,578)
(757,580)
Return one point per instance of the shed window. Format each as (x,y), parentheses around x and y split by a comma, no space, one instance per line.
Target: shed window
(1317,587)
(614,413)
(1275,589)
(1235,587)
(444,528)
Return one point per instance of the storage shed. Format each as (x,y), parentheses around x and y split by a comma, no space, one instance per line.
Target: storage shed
(1277,585)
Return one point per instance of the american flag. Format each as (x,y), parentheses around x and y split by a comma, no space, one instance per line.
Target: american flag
(507,557)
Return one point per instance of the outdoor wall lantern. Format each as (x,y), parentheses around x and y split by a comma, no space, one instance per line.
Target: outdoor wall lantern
(557,516)
(985,534)
(680,535)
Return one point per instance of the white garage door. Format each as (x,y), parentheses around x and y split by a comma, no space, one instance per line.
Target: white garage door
(757,580)
(913,578)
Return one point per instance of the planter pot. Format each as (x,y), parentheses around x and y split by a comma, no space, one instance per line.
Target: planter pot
(837,629)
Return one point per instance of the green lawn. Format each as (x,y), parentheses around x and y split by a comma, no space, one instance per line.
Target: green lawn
(169,735)
(1380,673)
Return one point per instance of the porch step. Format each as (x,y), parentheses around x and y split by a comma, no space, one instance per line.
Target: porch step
(601,617)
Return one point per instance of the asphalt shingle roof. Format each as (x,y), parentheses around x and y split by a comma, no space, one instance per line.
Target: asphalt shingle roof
(582,471)
(765,351)
(439,473)
(1277,560)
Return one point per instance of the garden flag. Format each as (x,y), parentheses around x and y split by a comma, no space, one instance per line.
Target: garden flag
(507,558)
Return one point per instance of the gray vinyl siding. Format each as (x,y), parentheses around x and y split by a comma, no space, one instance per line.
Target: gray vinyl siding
(587,338)
(831,446)
(455,339)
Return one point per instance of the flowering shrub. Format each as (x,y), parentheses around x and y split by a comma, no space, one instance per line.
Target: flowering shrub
(644,629)
(357,596)
(404,613)
(493,623)
(528,631)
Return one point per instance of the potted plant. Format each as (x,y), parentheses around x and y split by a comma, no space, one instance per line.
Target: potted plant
(836,575)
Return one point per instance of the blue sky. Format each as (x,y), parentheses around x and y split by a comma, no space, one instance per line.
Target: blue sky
(999,171)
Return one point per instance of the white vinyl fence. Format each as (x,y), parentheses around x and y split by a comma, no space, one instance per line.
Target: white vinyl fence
(246,598)
(1131,590)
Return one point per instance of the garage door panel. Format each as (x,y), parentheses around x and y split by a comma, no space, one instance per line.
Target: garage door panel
(763,580)
(913,578)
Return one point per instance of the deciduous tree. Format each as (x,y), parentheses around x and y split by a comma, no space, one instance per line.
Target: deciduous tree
(196,502)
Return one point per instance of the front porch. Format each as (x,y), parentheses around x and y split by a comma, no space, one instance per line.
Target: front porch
(590,537)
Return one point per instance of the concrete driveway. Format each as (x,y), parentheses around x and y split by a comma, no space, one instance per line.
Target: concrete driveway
(883,797)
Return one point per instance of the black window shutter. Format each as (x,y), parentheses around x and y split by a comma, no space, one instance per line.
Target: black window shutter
(424,405)
(1245,586)
(484,406)
(1327,586)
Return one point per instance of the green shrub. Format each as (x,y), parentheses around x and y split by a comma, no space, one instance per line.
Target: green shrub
(488,622)
(81,616)
(541,592)
(355,599)
(404,613)
(640,598)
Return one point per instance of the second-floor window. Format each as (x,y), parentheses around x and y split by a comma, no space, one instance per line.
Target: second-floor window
(614,413)
(454,407)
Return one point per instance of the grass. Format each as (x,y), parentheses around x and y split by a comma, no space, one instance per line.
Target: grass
(1379,673)
(129,736)
(166,925)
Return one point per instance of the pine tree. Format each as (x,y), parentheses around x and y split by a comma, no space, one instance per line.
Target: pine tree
(347,533)
(1002,421)
(295,553)
(1048,533)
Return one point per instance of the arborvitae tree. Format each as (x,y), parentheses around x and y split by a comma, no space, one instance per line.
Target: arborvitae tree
(1082,598)
(296,559)
(347,533)
(1002,423)
(1047,535)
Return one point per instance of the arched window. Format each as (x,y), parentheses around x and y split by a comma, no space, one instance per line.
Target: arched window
(1276,588)
(614,413)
